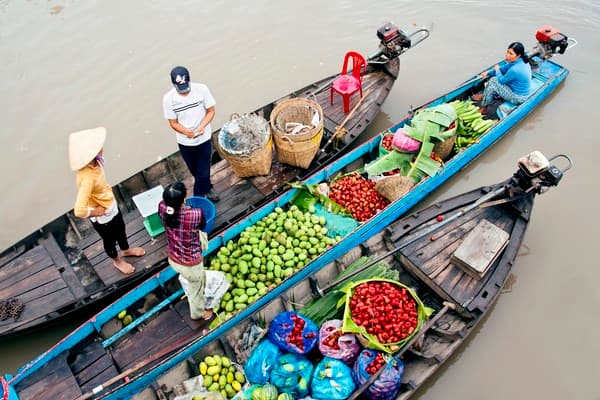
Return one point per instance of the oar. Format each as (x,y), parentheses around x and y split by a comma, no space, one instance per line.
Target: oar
(340,128)
(421,234)
(139,365)
(408,345)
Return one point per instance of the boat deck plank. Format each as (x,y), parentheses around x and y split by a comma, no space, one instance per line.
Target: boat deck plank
(93,366)
(235,200)
(280,175)
(63,266)
(430,259)
(53,381)
(29,264)
(156,252)
(157,334)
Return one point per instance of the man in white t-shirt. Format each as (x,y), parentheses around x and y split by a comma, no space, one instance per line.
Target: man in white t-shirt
(189,108)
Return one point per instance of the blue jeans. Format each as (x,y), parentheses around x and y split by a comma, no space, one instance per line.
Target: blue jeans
(197,158)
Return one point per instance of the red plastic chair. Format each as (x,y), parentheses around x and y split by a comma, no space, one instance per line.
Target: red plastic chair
(349,82)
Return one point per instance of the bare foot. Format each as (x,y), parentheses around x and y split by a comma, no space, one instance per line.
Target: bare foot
(134,251)
(208,314)
(123,266)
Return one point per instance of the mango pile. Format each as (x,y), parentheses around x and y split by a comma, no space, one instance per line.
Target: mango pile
(220,375)
(267,253)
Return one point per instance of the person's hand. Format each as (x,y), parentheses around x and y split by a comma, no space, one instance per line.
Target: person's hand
(190,133)
(98,211)
(496,68)
(483,75)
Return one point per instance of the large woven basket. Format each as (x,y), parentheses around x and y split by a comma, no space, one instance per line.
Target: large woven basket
(253,164)
(297,149)
(253,153)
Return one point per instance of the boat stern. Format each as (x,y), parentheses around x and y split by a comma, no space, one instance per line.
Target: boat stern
(7,392)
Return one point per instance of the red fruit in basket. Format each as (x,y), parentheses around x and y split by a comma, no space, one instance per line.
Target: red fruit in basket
(385,310)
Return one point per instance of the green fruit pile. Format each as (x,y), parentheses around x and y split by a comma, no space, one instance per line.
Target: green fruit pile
(125,317)
(220,375)
(268,392)
(267,253)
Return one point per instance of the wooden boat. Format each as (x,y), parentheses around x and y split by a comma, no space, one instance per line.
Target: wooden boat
(61,268)
(120,364)
(458,293)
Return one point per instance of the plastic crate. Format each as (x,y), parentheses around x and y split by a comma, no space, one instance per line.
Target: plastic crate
(154,225)
(207,207)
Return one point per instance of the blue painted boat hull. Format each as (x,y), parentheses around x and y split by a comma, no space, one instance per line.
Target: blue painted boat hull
(551,75)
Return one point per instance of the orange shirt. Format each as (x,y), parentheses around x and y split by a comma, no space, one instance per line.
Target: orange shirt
(93,191)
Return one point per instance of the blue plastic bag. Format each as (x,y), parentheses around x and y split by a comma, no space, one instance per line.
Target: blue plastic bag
(294,332)
(386,386)
(261,362)
(292,375)
(332,380)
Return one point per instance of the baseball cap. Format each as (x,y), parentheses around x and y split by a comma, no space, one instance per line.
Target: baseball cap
(180,77)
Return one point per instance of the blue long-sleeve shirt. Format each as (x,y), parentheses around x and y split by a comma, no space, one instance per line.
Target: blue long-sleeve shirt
(516,75)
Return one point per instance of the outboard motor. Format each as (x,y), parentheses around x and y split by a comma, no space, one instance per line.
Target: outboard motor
(550,42)
(536,174)
(393,40)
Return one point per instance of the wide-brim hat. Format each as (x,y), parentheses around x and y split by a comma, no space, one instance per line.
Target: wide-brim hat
(84,146)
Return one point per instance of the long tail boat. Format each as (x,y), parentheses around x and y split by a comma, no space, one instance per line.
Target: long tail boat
(105,359)
(458,276)
(61,269)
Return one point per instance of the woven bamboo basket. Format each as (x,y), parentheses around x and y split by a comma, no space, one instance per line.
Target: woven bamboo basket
(245,141)
(443,149)
(297,149)
(253,164)
(394,187)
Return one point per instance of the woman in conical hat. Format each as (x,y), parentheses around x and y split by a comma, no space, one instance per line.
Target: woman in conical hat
(95,199)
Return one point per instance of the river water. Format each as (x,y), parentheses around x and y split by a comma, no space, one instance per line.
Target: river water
(70,65)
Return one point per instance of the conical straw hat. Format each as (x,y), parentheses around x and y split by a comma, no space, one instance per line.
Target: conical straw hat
(84,146)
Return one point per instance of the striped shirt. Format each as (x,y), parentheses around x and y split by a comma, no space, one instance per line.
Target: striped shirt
(183,241)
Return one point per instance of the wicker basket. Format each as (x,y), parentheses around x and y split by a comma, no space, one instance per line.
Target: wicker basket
(394,187)
(249,160)
(253,164)
(297,149)
(443,149)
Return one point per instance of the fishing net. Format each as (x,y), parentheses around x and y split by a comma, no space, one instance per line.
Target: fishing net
(244,134)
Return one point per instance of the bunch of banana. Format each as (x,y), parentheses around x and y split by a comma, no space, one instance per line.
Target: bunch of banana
(471,123)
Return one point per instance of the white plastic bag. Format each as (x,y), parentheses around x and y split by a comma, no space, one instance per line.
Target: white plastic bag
(216,286)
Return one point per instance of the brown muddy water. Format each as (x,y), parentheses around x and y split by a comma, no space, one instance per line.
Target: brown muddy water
(69,65)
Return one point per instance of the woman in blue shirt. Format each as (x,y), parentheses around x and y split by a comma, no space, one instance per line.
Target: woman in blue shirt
(512,81)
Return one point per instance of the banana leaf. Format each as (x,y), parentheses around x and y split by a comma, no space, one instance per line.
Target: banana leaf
(423,164)
(308,196)
(388,162)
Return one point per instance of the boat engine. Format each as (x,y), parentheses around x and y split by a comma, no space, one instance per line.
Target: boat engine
(536,174)
(393,41)
(550,42)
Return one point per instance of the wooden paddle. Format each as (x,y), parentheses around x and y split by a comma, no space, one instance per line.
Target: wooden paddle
(139,365)
(405,348)
(340,130)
